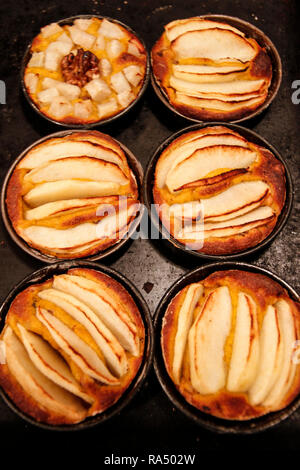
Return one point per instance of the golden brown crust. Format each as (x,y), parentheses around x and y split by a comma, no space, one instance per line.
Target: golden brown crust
(22,310)
(266,168)
(162,58)
(224,404)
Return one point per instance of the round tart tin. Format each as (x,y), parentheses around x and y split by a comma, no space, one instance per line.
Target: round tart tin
(135,166)
(263,41)
(169,239)
(47,272)
(101,122)
(202,419)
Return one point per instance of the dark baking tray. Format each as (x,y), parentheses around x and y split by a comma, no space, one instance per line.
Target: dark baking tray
(150,423)
(203,419)
(42,275)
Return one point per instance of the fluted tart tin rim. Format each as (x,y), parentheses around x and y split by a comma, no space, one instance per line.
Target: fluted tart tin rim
(101,122)
(263,40)
(250,135)
(47,272)
(212,423)
(134,165)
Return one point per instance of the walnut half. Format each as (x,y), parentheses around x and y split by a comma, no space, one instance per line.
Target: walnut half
(79,69)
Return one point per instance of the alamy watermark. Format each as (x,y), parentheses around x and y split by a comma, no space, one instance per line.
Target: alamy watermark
(296,93)
(2,92)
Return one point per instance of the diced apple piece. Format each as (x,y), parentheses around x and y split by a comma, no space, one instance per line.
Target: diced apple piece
(111,30)
(50,29)
(119,83)
(60,107)
(83,23)
(71,92)
(133,74)
(62,47)
(125,98)
(133,49)
(100,42)
(37,59)
(114,48)
(31,82)
(65,38)
(52,60)
(47,96)
(81,38)
(105,67)
(48,82)
(98,89)
(82,109)
(107,108)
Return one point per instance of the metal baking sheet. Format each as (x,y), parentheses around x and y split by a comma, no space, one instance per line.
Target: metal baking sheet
(151,424)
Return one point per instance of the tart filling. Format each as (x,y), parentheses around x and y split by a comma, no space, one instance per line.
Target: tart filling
(218,193)
(72,346)
(86,71)
(73,196)
(209,70)
(229,344)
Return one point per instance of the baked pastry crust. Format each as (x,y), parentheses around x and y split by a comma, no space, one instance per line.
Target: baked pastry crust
(102,395)
(264,169)
(204,105)
(91,148)
(115,63)
(224,403)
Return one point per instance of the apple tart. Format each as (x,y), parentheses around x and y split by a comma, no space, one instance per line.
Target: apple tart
(229,345)
(86,71)
(211,71)
(218,193)
(73,196)
(72,344)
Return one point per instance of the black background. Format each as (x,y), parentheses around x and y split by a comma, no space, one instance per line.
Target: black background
(149,423)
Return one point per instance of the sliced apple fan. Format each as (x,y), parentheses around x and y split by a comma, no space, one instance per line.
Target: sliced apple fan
(260,362)
(44,368)
(210,69)
(76,173)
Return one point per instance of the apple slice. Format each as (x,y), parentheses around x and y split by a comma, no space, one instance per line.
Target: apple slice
(78,351)
(206,70)
(178,27)
(46,393)
(84,168)
(220,104)
(188,211)
(185,318)
(270,359)
(204,161)
(50,363)
(207,339)
(52,238)
(245,349)
(235,87)
(57,148)
(70,189)
(214,44)
(111,313)
(113,352)
(216,78)
(288,368)
(255,218)
(180,153)
(58,207)
(234,201)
